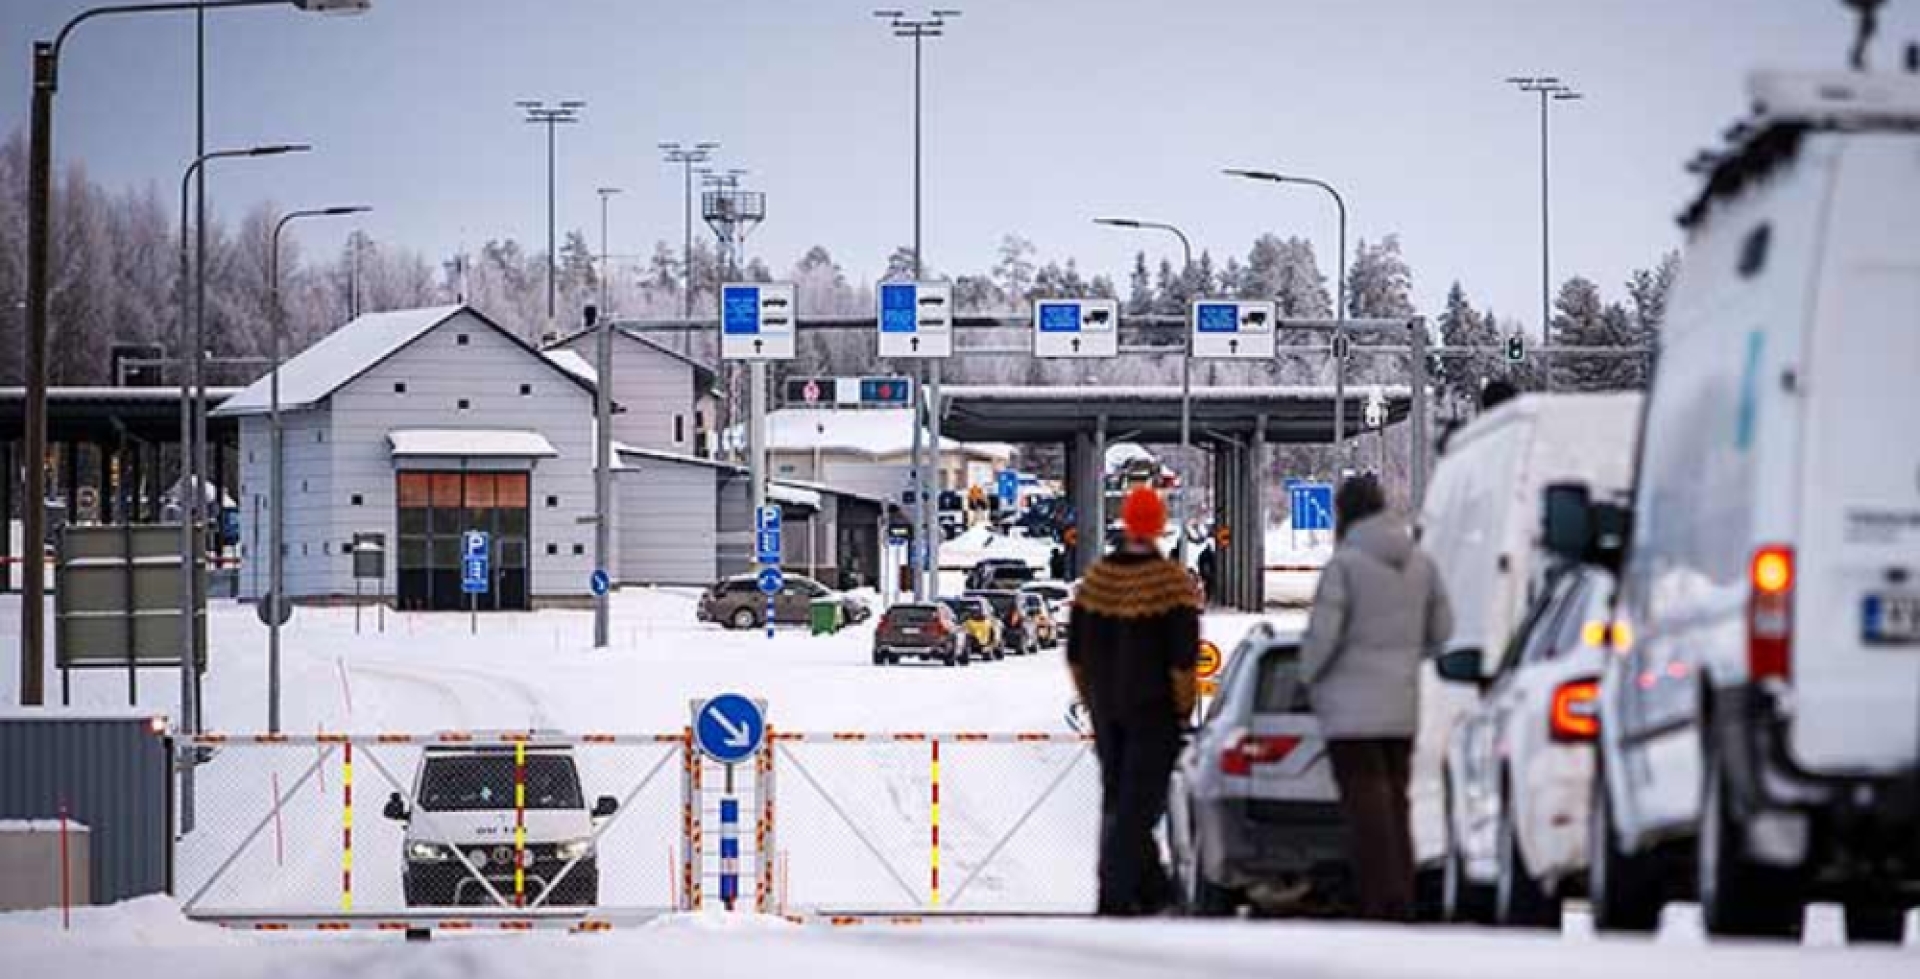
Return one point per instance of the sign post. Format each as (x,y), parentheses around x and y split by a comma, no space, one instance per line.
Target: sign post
(766,536)
(1076,328)
(757,324)
(915,322)
(476,572)
(729,729)
(1206,668)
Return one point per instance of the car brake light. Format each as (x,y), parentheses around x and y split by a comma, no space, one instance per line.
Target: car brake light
(1575,715)
(1247,750)
(1770,613)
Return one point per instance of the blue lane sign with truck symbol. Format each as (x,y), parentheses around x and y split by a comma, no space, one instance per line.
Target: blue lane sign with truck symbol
(1076,328)
(729,728)
(475,563)
(1233,329)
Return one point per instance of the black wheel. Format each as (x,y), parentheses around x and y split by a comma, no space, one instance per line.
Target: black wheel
(950,658)
(1461,900)
(1518,899)
(1883,921)
(879,658)
(743,618)
(1737,896)
(1623,889)
(1201,897)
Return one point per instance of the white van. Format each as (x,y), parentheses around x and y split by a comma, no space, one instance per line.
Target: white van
(1479,522)
(1766,720)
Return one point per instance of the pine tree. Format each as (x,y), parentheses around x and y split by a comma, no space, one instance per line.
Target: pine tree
(1014,272)
(1139,287)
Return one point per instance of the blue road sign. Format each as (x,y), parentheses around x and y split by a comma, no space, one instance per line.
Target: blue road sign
(475,563)
(740,311)
(1219,318)
(729,728)
(768,518)
(899,308)
(767,544)
(1060,317)
(886,391)
(771,581)
(1008,486)
(600,582)
(1312,505)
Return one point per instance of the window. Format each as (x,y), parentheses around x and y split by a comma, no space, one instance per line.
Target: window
(303,550)
(359,500)
(552,501)
(579,549)
(679,428)
(465,404)
(460,339)
(249,455)
(326,548)
(320,436)
(303,486)
(399,387)
(526,390)
(1753,251)
(553,549)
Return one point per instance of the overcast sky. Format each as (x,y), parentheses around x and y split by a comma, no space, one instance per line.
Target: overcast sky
(1039,117)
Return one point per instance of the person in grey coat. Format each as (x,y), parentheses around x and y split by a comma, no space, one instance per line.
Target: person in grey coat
(1379,610)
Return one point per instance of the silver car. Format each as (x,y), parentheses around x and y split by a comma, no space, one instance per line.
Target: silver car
(1253,815)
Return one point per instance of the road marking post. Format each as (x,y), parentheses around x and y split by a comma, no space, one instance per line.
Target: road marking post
(933,893)
(729,848)
(520,824)
(346,827)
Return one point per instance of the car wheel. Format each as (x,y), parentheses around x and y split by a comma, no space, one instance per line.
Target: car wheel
(1518,899)
(743,618)
(1201,897)
(1461,900)
(1621,890)
(1737,896)
(879,658)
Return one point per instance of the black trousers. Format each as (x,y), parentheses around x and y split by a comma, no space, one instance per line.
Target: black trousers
(1136,760)
(1372,775)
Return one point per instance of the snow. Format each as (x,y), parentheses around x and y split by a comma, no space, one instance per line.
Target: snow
(569,360)
(1157,392)
(790,495)
(876,432)
(337,358)
(471,442)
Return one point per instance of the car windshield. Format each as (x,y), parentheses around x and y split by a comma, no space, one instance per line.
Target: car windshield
(1280,691)
(1002,604)
(962,607)
(458,783)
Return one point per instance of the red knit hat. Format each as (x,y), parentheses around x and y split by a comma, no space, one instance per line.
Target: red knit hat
(1144,514)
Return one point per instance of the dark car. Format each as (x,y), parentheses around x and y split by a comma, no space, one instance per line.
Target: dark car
(920,630)
(999,574)
(1023,631)
(738,603)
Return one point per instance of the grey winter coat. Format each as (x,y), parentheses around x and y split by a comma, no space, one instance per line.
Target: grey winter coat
(1379,610)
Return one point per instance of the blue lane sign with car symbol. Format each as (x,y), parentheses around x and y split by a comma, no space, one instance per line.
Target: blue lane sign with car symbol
(729,728)
(771,581)
(600,582)
(475,563)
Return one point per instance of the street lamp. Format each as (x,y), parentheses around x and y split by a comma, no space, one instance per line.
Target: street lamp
(687,156)
(1186,373)
(933,24)
(1549,88)
(606,306)
(276,522)
(565,112)
(1340,301)
(46,81)
(193,443)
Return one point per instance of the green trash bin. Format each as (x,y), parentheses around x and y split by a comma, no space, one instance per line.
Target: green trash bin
(825,616)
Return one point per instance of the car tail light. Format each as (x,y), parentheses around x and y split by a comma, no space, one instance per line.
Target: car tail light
(1770,613)
(1247,750)
(1575,715)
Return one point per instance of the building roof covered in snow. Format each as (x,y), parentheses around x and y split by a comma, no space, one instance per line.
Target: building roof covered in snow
(471,443)
(867,431)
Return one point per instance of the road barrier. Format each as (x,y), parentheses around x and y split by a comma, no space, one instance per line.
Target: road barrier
(517,831)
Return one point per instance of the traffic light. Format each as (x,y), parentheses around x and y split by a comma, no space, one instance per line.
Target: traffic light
(1342,345)
(1516,348)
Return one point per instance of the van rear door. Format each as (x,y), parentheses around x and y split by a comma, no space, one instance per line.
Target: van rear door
(1856,641)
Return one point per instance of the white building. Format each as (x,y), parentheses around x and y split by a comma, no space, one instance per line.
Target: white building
(868,451)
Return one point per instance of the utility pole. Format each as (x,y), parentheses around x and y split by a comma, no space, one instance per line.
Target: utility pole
(606,294)
(926,463)
(603,467)
(1549,88)
(687,156)
(565,112)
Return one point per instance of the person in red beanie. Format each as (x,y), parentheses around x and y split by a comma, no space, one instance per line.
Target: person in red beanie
(1133,648)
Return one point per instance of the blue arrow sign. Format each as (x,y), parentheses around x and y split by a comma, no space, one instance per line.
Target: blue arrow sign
(600,583)
(1312,506)
(771,581)
(729,728)
(740,311)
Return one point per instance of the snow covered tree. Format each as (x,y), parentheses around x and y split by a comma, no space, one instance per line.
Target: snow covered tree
(1139,287)
(1014,271)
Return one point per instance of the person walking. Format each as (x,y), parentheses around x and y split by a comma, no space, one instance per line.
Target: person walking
(1379,609)
(1132,650)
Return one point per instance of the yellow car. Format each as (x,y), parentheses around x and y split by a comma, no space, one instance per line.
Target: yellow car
(984,632)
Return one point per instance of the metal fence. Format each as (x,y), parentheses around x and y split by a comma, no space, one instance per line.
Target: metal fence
(523,830)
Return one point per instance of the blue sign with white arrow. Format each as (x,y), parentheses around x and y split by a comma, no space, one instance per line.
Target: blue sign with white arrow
(771,581)
(600,583)
(1312,505)
(729,728)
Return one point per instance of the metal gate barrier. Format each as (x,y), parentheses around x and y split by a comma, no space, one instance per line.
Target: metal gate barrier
(523,830)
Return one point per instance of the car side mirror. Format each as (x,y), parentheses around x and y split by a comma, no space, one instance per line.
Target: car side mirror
(396,809)
(605,806)
(1460,665)
(1566,515)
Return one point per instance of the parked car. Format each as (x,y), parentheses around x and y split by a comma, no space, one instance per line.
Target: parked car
(1478,522)
(986,637)
(1519,766)
(1034,608)
(1022,632)
(999,573)
(460,827)
(738,603)
(920,630)
(1763,726)
(1253,814)
(1059,599)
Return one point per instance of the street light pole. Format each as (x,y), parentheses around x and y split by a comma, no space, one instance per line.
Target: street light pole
(687,156)
(606,303)
(1182,511)
(276,521)
(192,478)
(46,82)
(928,464)
(1549,88)
(1340,304)
(565,112)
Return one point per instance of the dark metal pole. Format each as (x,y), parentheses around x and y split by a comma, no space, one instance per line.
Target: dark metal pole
(551,258)
(198,353)
(276,488)
(33,506)
(686,259)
